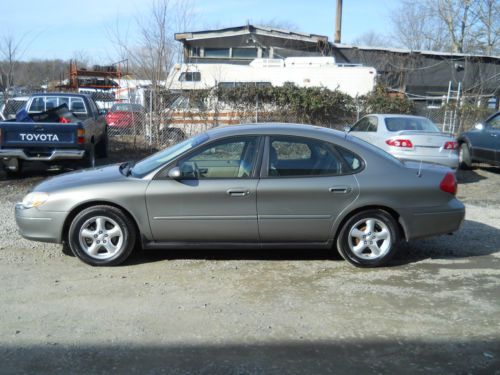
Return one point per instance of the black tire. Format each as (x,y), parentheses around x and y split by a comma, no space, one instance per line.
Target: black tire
(88,160)
(464,156)
(112,217)
(14,173)
(368,240)
(103,146)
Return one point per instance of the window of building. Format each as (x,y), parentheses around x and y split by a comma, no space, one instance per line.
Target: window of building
(216,52)
(195,52)
(245,53)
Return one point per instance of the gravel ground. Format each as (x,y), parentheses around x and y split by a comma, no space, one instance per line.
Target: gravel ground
(436,309)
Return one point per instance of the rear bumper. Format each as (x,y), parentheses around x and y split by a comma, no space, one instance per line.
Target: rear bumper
(54,155)
(39,225)
(427,222)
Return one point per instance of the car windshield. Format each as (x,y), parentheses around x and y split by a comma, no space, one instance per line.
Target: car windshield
(163,157)
(396,124)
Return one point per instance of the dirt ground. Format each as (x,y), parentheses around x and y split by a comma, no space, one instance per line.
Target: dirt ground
(435,309)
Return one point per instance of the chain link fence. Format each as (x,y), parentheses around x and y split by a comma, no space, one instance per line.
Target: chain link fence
(156,120)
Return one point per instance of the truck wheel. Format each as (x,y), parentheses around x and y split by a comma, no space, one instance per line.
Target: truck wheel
(102,236)
(102,146)
(13,168)
(368,238)
(89,158)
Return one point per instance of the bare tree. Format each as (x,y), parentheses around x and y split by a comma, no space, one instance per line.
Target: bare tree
(487,33)
(372,39)
(11,50)
(452,25)
(416,27)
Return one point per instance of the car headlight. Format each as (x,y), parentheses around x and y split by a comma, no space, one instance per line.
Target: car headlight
(35,199)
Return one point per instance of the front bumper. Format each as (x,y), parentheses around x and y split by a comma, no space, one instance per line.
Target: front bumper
(37,225)
(427,222)
(54,155)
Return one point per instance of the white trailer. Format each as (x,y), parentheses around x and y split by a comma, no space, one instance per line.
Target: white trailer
(351,79)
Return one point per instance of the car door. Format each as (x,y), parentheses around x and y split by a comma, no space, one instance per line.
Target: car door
(493,129)
(214,200)
(366,129)
(485,141)
(304,186)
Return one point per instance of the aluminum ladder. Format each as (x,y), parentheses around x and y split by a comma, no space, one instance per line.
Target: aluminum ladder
(450,114)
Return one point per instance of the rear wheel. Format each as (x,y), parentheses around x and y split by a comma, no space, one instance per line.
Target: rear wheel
(368,238)
(102,236)
(102,146)
(464,158)
(13,167)
(89,157)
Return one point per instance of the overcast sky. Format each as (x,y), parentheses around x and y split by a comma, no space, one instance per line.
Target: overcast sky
(58,29)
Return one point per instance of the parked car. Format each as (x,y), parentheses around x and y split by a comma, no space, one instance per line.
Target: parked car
(47,139)
(408,138)
(481,144)
(126,117)
(12,106)
(268,186)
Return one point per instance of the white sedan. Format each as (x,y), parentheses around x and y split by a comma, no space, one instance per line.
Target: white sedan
(408,138)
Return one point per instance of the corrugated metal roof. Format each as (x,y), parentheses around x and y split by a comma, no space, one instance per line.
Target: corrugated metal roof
(402,50)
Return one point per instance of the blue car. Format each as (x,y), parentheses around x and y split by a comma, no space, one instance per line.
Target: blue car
(481,144)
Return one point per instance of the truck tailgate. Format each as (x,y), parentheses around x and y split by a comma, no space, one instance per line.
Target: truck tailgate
(23,134)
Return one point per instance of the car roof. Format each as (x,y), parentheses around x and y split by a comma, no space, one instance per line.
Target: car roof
(275,128)
(70,94)
(392,115)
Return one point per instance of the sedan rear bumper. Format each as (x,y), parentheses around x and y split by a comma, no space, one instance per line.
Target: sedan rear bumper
(429,222)
(36,225)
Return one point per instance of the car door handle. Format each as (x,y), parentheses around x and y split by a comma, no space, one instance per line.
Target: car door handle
(340,189)
(237,192)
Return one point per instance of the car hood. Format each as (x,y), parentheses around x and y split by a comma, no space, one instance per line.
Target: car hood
(85,177)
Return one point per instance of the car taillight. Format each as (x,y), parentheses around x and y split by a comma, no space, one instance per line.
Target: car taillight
(450,145)
(404,143)
(449,183)
(80,134)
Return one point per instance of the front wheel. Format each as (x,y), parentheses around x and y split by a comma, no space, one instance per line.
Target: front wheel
(102,236)
(464,159)
(368,238)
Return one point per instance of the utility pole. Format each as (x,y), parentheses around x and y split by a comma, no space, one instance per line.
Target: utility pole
(338,22)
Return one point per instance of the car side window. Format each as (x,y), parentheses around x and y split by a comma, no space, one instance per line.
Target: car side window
(372,124)
(231,158)
(361,125)
(494,122)
(353,161)
(298,157)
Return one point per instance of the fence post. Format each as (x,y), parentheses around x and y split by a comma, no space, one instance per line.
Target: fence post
(257,108)
(150,117)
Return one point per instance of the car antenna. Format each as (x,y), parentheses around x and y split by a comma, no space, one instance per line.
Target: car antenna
(419,173)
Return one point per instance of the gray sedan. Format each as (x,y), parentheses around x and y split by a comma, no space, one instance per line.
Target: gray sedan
(266,186)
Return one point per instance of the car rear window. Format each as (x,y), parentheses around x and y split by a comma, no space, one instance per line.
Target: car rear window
(396,124)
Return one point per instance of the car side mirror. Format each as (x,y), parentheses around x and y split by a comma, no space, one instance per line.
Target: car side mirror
(479,126)
(175,173)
